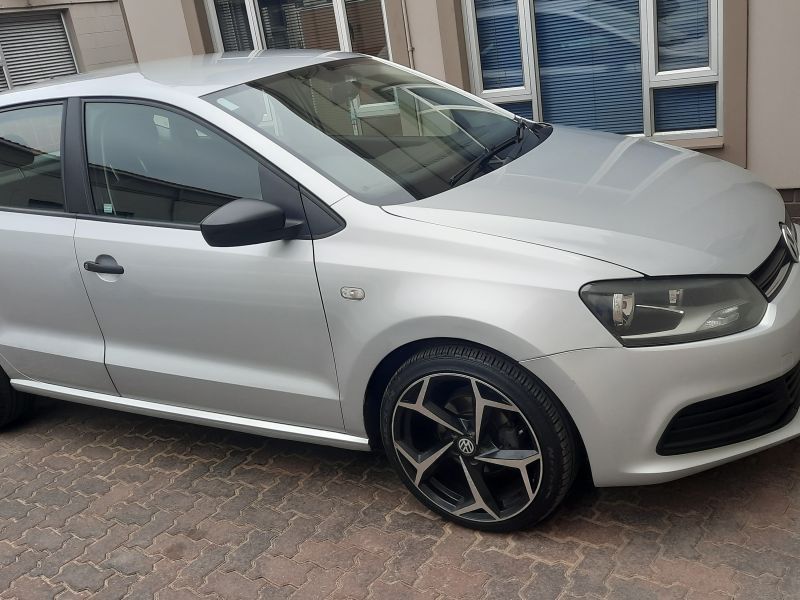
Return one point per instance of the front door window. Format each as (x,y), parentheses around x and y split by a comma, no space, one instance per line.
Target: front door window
(147,163)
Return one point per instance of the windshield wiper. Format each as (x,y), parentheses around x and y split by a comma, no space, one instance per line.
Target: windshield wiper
(475,164)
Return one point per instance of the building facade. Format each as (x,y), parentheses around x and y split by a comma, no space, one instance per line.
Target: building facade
(718,76)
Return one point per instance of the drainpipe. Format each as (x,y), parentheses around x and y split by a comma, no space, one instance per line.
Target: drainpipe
(409,46)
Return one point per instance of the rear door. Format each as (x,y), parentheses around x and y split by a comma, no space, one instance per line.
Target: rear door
(48,331)
(240,331)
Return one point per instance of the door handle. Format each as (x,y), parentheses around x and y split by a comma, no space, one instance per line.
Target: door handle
(104,264)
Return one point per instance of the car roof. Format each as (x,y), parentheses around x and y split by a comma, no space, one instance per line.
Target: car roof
(196,75)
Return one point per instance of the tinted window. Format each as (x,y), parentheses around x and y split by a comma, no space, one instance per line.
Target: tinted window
(148,163)
(30,158)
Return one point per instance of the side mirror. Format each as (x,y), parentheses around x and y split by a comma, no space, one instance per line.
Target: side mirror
(245,222)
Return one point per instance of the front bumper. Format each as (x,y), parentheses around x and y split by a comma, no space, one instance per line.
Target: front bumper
(622,399)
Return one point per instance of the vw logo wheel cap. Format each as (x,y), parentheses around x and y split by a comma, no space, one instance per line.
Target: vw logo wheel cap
(466,446)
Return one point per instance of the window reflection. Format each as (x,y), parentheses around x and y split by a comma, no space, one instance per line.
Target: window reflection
(30,158)
(384,135)
(146,163)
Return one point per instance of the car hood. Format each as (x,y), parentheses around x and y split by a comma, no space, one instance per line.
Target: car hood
(650,207)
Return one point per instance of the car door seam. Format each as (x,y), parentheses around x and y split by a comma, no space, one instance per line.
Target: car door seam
(328,327)
(89,298)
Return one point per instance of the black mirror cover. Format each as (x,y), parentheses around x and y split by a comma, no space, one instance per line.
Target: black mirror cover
(245,222)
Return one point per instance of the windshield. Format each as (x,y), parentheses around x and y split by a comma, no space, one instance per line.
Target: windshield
(384,135)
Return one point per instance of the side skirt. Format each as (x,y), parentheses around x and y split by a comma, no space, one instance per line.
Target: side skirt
(192,415)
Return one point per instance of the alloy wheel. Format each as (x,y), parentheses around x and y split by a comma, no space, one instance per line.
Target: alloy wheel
(467,447)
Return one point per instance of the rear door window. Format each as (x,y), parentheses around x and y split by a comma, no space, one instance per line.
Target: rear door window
(30,158)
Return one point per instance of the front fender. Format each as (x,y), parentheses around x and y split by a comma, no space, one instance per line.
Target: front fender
(424,281)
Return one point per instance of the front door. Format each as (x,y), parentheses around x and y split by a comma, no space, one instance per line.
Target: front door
(231,330)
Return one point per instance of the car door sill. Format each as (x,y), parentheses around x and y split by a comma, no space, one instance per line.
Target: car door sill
(193,415)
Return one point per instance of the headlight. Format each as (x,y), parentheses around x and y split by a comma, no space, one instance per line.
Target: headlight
(652,312)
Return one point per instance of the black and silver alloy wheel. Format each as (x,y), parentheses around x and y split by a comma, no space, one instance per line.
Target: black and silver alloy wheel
(477,439)
(467,447)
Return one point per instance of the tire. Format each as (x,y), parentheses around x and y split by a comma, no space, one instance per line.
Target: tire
(13,404)
(513,474)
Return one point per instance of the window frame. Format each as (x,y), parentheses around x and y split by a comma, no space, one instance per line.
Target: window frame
(67,210)
(89,209)
(257,32)
(652,79)
(530,68)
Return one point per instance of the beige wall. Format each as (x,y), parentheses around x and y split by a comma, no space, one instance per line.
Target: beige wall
(774,92)
(396,30)
(436,33)
(98,34)
(735,74)
(95,27)
(198,26)
(158,28)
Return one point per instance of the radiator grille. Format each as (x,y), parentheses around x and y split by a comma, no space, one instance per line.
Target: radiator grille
(773,272)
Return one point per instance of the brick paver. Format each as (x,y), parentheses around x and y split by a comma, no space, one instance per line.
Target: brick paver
(101,504)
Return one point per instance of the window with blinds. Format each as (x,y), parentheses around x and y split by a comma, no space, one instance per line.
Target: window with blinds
(34,47)
(234,26)
(685,108)
(356,25)
(521,109)
(682,34)
(499,43)
(649,67)
(299,24)
(590,64)
(365,26)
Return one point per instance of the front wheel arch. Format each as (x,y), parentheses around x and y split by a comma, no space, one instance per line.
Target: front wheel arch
(389,365)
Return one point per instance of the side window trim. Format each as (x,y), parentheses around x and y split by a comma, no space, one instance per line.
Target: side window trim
(322,222)
(76,181)
(87,209)
(65,212)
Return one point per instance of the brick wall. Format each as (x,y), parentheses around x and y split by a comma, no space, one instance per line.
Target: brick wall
(792,199)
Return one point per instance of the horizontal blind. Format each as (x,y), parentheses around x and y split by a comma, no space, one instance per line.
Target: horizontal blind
(366,27)
(521,109)
(299,24)
(682,34)
(234,26)
(684,108)
(590,65)
(35,47)
(499,43)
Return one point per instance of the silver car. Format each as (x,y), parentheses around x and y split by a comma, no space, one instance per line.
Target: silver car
(330,248)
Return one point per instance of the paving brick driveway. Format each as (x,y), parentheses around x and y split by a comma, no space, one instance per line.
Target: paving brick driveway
(106,505)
